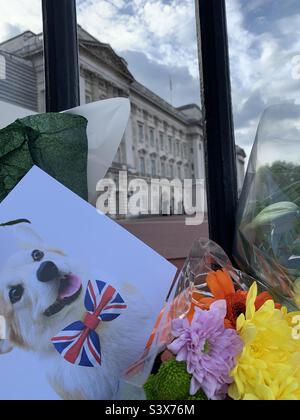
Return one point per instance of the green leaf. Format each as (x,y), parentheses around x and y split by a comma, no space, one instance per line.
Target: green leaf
(14,222)
(274,213)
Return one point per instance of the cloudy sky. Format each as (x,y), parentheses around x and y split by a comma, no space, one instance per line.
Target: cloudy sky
(158,39)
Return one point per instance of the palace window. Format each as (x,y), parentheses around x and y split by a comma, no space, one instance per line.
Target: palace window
(170,145)
(163,168)
(171,170)
(179,174)
(185,151)
(177,148)
(153,167)
(151,134)
(141,133)
(161,138)
(142,165)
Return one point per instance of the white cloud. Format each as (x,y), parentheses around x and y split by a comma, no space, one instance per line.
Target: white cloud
(261,65)
(20,15)
(165,32)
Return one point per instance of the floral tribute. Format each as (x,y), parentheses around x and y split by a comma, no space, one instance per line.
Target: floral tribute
(233,344)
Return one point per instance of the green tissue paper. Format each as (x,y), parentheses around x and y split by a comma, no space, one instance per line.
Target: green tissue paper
(57,143)
(15,158)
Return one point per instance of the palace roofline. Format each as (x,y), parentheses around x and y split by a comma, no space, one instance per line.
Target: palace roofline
(86,40)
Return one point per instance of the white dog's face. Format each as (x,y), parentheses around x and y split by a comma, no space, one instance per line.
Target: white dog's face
(38,287)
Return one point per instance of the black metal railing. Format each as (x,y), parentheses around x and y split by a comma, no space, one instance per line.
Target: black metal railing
(221,172)
(61,54)
(62,91)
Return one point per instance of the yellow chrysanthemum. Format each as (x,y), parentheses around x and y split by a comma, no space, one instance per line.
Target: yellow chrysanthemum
(269,365)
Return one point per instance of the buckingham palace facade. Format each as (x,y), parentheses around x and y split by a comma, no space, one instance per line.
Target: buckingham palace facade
(161,141)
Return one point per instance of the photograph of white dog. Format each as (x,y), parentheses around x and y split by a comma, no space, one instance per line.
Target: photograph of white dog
(90,284)
(41,293)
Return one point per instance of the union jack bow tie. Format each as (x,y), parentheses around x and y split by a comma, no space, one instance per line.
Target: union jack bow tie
(79,343)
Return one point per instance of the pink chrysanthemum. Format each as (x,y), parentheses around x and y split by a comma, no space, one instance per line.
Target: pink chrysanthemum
(208,348)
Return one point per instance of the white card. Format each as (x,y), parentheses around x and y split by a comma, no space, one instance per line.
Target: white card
(46,267)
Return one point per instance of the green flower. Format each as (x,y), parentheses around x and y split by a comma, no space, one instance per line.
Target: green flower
(172,382)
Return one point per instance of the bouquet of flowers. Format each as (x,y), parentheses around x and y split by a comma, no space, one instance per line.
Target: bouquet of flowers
(221,335)
(268,223)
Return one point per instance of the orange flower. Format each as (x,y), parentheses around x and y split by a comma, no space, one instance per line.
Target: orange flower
(221,286)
